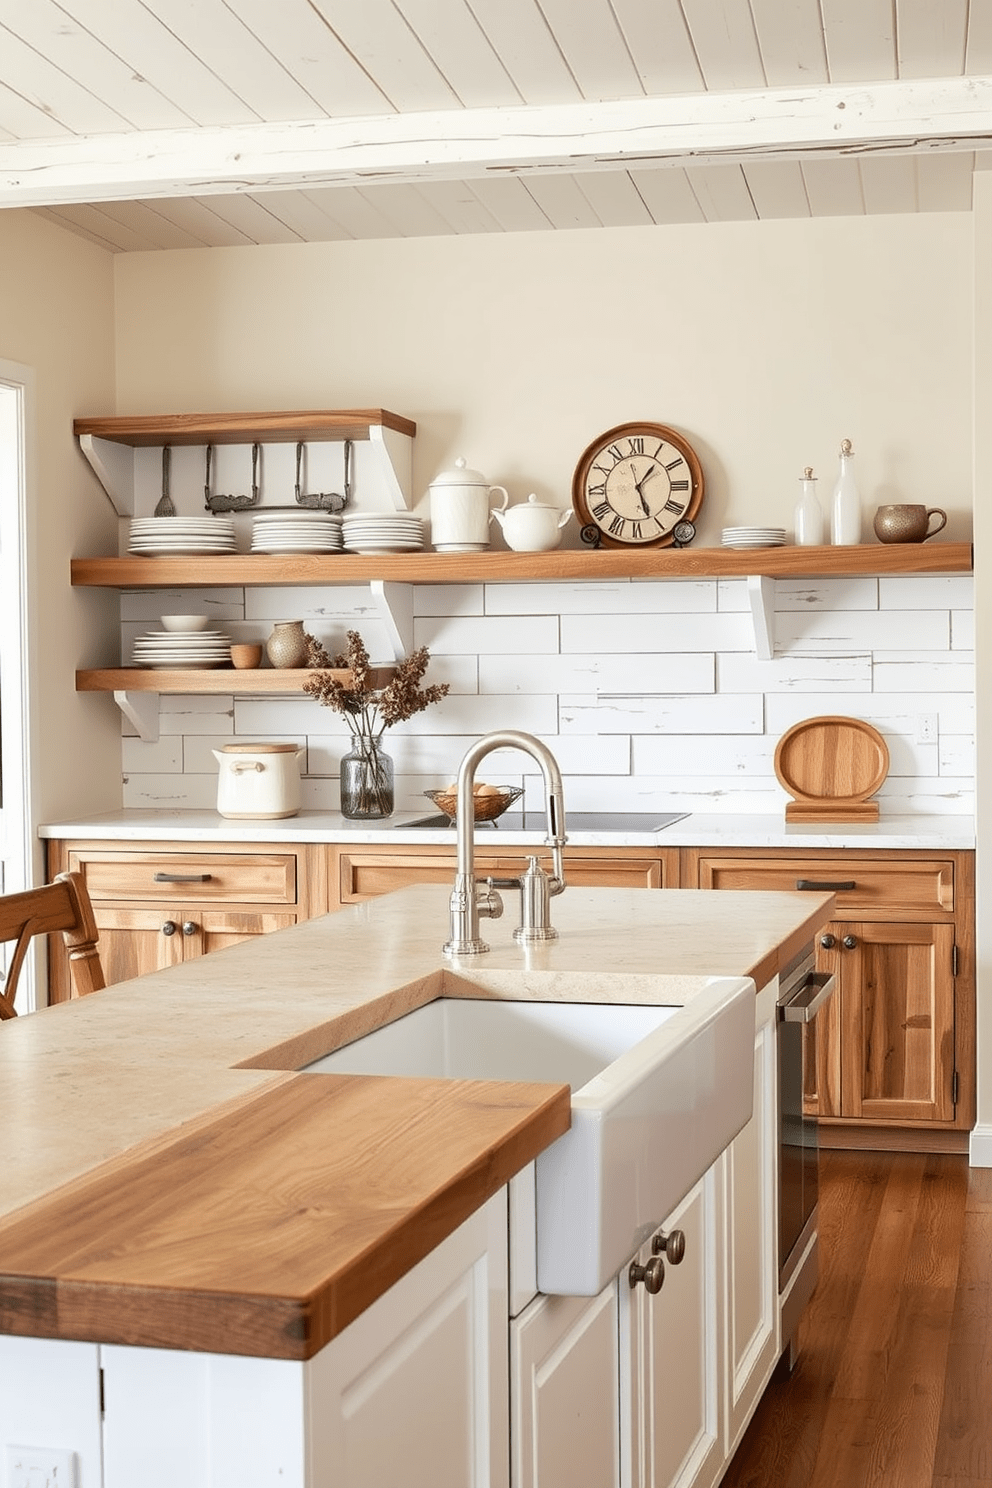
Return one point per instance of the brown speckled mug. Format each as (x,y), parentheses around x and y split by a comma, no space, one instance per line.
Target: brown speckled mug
(895,524)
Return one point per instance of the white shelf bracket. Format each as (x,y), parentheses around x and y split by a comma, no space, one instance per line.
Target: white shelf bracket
(393,456)
(394,604)
(141,709)
(761,597)
(113,465)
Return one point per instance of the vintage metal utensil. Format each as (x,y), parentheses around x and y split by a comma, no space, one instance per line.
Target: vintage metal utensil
(165,506)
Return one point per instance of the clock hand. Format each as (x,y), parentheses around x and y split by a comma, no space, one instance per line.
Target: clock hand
(637,487)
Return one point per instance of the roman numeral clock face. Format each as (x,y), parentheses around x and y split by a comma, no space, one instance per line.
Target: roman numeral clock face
(636,486)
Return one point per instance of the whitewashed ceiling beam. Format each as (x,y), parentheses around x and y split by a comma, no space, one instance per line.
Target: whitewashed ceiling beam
(702,129)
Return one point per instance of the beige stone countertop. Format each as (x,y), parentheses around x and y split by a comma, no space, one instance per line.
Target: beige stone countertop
(85,1081)
(921,831)
(170,1180)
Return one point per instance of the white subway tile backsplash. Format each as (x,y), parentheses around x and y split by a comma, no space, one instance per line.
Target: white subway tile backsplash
(962,630)
(957,756)
(597,674)
(685,757)
(448,599)
(164,756)
(525,635)
(659,634)
(738,672)
(926,592)
(146,605)
(925,672)
(662,715)
(619,597)
(188,713)
(861,630)
(648,692)
(170,792)
(826,594)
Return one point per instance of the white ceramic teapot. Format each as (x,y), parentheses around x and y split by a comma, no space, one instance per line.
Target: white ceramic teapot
(461,509)
(532,526)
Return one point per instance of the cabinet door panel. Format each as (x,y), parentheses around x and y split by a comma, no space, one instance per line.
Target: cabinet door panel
(565,1392)
(364,873)
(217,928)
(898,992)
(132,942)
(676,1358)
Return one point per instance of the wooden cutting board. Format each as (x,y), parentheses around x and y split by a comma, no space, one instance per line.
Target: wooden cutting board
(831,766)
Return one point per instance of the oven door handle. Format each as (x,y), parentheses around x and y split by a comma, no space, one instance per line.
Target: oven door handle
(817,989)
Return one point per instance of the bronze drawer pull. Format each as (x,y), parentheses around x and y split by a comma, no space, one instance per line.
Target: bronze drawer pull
(183,877)
(826,888)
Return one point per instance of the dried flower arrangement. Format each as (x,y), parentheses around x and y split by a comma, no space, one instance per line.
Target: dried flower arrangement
(368,711)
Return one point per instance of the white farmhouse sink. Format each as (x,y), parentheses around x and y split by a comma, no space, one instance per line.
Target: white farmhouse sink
(657,1094)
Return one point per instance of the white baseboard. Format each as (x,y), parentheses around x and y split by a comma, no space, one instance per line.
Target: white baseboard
(980,1147)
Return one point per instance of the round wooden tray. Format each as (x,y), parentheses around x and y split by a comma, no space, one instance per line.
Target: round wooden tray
(830,766)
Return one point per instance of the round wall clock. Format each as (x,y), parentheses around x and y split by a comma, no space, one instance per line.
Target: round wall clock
(635,485)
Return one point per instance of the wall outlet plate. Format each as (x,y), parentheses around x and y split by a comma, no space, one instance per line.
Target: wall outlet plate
(40,1467)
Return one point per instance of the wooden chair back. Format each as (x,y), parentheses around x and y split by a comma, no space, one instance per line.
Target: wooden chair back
(62,905)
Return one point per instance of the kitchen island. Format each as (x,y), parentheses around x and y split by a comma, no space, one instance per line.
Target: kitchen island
(129,1088)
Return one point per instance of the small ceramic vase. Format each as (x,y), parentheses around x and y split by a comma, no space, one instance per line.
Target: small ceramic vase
(287,645)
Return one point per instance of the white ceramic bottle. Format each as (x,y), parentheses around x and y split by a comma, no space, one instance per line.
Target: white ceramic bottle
(809,513)
(845,521)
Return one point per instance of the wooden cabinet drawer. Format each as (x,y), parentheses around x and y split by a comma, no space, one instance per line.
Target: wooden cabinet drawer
(366,872)
(193,877)
(863,885)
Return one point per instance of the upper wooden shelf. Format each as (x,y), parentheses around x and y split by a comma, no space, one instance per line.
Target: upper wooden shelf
(383,440)
(242,428)
(500,567)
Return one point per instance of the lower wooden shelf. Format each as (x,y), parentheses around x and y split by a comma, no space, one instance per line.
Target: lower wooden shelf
(219,680)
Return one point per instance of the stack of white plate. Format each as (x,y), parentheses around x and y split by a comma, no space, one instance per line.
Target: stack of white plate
(369,533)
(753,537)
(296,532)
(187,649)
(173,536)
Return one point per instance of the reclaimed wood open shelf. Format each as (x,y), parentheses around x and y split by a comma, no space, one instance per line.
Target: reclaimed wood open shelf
(500,567)
(273,681)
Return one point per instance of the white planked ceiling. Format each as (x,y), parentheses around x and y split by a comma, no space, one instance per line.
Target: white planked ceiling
(145,124)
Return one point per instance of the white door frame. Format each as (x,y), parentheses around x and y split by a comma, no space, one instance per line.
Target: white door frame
(19,850)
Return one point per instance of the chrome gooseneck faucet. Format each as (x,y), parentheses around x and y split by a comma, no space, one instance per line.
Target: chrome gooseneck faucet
(469,900)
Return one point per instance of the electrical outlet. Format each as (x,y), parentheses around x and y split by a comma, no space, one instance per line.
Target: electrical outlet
(926,728)
(40,1467)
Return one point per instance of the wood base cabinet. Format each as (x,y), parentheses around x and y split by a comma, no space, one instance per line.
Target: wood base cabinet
(892,1059)
(157,905)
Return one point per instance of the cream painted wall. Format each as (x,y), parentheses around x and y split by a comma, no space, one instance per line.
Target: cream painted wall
(57,318)
(766,343)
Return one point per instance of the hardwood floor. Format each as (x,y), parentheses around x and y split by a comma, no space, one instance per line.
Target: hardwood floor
(893,1388)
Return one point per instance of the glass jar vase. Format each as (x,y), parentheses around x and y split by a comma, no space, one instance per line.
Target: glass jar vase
(367,791)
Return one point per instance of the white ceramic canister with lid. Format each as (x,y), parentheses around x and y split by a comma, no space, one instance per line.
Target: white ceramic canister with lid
(259,781)
(461,509)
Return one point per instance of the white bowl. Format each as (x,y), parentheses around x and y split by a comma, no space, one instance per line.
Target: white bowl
(184,622)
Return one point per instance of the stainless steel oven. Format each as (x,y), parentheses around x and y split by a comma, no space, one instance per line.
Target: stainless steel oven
(803,991)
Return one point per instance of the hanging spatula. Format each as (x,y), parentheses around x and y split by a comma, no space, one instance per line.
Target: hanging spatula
(166,506)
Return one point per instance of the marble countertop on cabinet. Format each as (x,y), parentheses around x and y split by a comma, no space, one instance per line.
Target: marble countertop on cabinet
(928,832)
(127,1091)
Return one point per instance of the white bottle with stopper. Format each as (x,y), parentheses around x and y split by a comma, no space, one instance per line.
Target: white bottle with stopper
(845,524)
(809,513)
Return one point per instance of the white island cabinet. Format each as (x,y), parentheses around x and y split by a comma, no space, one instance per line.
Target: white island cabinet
(225,1271)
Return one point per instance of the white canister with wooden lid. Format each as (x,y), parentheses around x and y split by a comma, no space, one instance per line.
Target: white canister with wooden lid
(258,781)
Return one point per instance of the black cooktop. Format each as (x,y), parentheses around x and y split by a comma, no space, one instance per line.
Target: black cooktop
(575,821)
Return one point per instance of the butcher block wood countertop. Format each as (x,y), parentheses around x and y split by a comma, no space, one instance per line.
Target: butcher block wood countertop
(170,1180)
